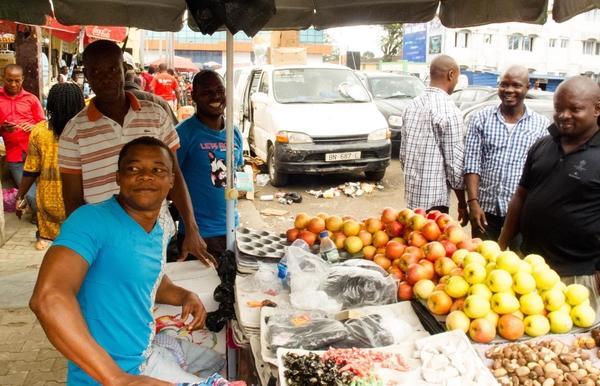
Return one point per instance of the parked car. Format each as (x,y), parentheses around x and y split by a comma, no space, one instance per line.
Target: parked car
(492,95)
(392,92)
(311,119)
(471,95)
(544,107)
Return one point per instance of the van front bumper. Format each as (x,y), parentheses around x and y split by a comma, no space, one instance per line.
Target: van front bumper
(309,158)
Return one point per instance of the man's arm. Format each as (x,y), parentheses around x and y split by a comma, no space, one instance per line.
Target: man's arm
(169,293)
(478,220)
(72,190)
(472,169)
(55,304)
(513,216)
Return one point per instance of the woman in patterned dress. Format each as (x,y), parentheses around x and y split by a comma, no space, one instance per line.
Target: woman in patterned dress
(65,100)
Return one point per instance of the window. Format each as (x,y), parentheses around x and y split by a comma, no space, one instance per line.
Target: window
(589,47)
(552,43)
(461,39)
(487,39)
(312,36)
(264,83)
(564,43)
(520,42)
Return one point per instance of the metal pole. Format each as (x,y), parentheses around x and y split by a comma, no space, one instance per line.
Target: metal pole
(171,50)
(142,47)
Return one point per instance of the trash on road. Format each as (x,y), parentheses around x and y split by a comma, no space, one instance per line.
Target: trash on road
(262,179)
(350,189)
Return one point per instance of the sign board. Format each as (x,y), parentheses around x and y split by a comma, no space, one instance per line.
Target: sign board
(414,44)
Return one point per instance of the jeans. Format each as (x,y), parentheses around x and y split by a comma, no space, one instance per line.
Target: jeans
(16,171)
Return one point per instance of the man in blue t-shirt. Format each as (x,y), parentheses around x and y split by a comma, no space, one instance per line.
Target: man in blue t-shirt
(201,159)
(99,281)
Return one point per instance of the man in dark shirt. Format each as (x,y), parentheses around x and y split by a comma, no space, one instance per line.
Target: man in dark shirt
(557,204)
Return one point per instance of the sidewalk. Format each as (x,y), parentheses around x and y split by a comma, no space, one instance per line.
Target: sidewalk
(26,356)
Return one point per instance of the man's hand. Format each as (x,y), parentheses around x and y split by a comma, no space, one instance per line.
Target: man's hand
(477,216)
(192,305)
(194,244)
(134,380)
(463,216)
(26,126)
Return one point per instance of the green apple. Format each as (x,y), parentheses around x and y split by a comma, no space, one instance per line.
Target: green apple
(531,304)
(545,278)
(553,299)
(508,261)
(459,256)
(536,325)
(476,306)
(504,303)
(525,267)
(523,283)
(480,289)
(583,315)
(560,322)
(474,273)
(576,294)
(423,288)
(489,249)
(475,258)
(457,320)
(499,280)
(457,287)
(534,260)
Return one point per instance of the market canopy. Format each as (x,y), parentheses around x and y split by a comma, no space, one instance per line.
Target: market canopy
(70,33)
(251,16)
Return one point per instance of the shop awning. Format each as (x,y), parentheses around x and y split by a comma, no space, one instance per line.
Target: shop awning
(69,33)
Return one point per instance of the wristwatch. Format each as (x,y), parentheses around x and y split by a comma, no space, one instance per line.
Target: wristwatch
(21,203)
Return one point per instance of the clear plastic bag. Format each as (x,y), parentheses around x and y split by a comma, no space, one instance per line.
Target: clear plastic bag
(264,280)
(305,271)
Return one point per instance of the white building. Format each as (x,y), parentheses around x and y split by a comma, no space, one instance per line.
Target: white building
(553,49)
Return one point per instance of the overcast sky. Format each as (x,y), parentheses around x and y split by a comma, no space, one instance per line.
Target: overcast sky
(359,38)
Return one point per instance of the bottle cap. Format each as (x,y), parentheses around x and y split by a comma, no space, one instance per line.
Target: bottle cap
(324,234)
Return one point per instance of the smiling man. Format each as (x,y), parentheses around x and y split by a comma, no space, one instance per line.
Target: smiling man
(497,142)
(99,281)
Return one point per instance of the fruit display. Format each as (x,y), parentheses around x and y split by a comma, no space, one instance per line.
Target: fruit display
(545,363)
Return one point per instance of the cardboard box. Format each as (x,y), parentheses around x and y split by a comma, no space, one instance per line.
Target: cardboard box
(285,39)
(287,55)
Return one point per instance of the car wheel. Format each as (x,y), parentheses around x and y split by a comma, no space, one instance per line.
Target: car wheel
(277,178)
(375,175)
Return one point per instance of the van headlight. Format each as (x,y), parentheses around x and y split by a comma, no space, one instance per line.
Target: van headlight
(395,120)
(379,135)
(293,137)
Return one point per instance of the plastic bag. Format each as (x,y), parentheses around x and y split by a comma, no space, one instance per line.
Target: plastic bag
(374,330)
(9,197)
(264,280)
(359,284)
(305,271)
(307,330)
(314,300)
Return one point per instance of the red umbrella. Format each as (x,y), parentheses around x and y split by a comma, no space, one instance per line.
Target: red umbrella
(70,32)
(180,64)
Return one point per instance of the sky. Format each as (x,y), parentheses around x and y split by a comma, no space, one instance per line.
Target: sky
(358,38)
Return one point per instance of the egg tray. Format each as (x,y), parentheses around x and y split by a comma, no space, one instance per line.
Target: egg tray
(264,244)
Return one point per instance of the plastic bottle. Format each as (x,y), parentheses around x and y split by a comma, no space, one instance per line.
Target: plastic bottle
(328,250)
(282,265)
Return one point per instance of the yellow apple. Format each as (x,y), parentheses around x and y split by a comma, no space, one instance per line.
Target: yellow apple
(490,267)
(504,303)
(536,325)
(499,281)
(518,314)
(457,287)
(474,273)
(553,299)
(489,249)
(474,257)
(576,294)
(525,267)
(565,308)
(531,304)
(560,322)
(480,289)
(534,260)
(492,317)
(476,306)
(423,288)
(459,255)
(508,261)
(523,283)
(583,315)
(457,320)
(545,278)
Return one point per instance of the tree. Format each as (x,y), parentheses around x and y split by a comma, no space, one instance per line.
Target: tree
(367,55)
(391,42)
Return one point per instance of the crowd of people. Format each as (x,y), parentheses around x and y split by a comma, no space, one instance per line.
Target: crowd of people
(104,172)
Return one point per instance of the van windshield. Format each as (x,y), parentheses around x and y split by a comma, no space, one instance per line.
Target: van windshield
(391,87)
(318,85)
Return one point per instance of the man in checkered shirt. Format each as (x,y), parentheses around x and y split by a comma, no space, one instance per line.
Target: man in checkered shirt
(498,139)
(431,151)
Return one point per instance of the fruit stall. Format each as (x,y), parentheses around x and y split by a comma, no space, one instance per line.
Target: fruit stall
(407,297)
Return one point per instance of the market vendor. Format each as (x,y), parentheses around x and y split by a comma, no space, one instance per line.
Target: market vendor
(557,204)
(99,282)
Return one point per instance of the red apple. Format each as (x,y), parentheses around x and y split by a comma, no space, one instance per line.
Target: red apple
(396,273)
(434,250)
(373,225)
(307,236)
(431,231)
(443,220)
(416,239)
(420,211)
(429,266)
(407,259)
(415,273)
(388,215)
(415,251)
(449,247)
(417,222)
(394,250)
(405,291)
(455,234)
(393,229)
(292,234)
(482,330)
(433,215)
(404,215)
(444,265)
(439,302)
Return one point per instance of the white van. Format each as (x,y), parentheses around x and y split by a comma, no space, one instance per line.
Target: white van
(311,119)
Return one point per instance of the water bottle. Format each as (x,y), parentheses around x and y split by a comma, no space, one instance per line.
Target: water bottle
(328,250)
(282,265)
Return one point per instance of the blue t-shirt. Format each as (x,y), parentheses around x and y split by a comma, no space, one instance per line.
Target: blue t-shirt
(117,295)
(201,157)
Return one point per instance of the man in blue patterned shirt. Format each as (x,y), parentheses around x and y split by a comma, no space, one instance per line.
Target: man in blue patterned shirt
(498,139)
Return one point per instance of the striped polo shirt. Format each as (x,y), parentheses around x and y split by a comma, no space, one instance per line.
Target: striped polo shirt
(91,142)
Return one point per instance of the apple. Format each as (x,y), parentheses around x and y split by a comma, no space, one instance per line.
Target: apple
(416,272)
(531,304)
(423,288)
(474,273)
(575,294)
(416,239)
(316,225)
(405,291)
(292,234)
(382,261)
(420,211)
(493,318)
(476,306)
(433,214)
(404,215)
(301,221)
(510,327)
(449,247)
(434,250)
(455,234)
(457,304)
(499,281)
(489,249)
(417,222)
(429,267)
(523,283)
(308,237)
(396,273)
(443,221)
(353,244)
(474,258)
(388,215)
(583,315)
(394,250)
(351,228)
(519,314)
(394,229)
(333,223)
(380,239)
(545,278)
(534,260)
(459,256)
(457,320)
(431,231)
(444,265)
(373,225)
(439,303)
(480,289)
(504,303)
(339,238)
(566,307)
(536,325)
(415,251)
(482,331)
(489,267)
(457,287)
(369,252)
(525,267)
(560,322)
(508,261)
(553,299)
(408,259)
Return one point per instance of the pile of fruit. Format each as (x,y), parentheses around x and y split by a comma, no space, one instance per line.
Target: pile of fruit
(480,288)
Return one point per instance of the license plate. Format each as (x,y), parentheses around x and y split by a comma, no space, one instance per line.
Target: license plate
(342,156)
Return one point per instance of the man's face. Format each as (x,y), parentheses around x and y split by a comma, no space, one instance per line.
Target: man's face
(574,112)
(105,75)
(145,177)
(209,96)
(13,81)
(512,89)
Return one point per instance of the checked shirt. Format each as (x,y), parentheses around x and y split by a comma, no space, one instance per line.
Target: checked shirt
(497,155)
(431,150)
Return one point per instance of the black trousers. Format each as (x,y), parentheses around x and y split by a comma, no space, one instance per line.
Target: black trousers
(492,232)
(441,208)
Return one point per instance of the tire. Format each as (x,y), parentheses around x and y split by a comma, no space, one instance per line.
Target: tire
(278,178)
(375,175)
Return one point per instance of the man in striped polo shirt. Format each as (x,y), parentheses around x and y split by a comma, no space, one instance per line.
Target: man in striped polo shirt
(90,143)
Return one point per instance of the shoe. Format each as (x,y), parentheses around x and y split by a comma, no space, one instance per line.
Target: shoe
(40,245)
